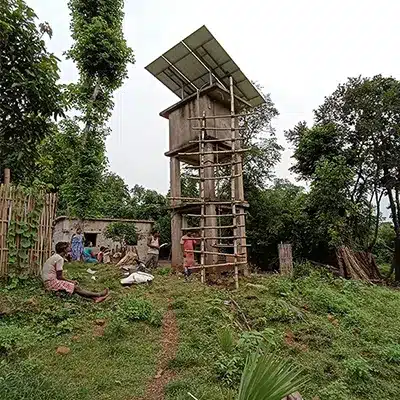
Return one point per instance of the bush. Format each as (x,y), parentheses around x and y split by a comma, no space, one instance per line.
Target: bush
(131,309)
(14,338)
(122,232)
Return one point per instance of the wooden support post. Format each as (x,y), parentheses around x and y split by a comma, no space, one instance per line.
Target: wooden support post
(285,259)
(210,209)
(176,219)
(7,176)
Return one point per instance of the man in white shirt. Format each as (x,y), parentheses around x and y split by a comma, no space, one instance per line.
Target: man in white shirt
(153,244)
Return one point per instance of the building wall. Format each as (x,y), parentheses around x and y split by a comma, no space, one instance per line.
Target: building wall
(65,228)
(180,131)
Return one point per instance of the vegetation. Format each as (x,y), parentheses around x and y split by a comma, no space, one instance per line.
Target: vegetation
(341,334)
(30,94)
(356,135)
(122,232)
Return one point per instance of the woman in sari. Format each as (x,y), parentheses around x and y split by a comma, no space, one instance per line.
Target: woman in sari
(77,245)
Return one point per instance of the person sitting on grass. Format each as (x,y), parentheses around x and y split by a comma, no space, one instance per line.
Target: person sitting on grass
(88,255)
(54,281)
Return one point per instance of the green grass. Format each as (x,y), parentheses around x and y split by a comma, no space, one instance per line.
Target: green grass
(343,334)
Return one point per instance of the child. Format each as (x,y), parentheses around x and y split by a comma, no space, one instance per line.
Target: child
(188,243)
(52,276)
(104,255)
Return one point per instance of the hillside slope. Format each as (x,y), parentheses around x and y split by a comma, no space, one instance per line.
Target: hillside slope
(344,334)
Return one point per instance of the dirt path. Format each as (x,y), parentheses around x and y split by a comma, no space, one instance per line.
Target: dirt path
(169,342)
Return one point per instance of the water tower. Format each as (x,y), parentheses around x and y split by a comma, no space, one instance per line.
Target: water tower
(204,138)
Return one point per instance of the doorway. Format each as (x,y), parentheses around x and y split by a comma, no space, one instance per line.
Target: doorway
(92,238)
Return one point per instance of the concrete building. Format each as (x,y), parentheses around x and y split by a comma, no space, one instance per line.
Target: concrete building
(94,230)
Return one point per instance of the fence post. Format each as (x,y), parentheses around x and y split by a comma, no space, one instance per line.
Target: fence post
(7,176)
(285,259)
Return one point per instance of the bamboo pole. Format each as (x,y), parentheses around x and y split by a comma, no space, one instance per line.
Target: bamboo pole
(211,165)
(233,191)
(214,215)
(196,228)
(222,116)
(210,128)
(216,253)
(214,178)
(214,152)
(224,237)
(221,265)
(201,186)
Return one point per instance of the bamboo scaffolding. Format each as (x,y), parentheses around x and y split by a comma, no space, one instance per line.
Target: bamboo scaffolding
(229,246)
(213,253)
(220,265)
(211,128)
(196,228)
(221,116)
(214,215)
(211,165)
(214,152)
(209,193)
(215,202)
(224,237)
(214,178)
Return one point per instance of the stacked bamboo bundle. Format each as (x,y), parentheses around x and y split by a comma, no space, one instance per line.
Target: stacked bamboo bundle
(357,265)
(15,205)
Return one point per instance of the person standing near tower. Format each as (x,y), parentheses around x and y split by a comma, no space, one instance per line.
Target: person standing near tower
(153,244)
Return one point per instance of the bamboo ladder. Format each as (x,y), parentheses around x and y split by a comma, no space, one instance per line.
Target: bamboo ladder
(240,258)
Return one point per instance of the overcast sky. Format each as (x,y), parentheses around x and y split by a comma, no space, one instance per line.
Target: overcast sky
(299,50)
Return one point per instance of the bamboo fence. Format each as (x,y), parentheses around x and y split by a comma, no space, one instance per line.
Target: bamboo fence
(15,205)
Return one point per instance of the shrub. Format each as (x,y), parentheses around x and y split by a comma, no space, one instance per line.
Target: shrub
(14,338)
(131,309)
(122,232)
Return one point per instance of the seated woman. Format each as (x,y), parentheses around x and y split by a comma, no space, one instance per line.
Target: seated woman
(88,255)
(52,276)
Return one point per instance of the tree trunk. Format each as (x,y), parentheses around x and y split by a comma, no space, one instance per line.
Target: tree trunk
(396,258)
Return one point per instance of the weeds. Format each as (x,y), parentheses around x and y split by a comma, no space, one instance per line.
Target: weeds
(133,309)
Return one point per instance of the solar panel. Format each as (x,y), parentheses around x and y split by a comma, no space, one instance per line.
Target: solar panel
(198,61)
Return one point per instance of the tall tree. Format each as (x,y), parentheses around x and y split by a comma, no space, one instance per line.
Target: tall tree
(30,96)
(259,136)
(359,122)
(102,55)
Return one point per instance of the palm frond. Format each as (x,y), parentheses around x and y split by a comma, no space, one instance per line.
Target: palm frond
(267,378)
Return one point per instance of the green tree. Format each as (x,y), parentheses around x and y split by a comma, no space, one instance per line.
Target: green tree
(122,232)
(360,123)
(385,243)
(149,204)
(101,55)
(115,197)
(259,136)
(274,216)
(30,96)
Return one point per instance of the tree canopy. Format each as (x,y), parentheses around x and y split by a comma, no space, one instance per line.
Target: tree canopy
(31,98)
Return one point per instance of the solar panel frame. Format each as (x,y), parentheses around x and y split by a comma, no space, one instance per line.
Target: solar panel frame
(186,68)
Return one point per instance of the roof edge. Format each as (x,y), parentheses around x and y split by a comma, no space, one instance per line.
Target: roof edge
(143,221)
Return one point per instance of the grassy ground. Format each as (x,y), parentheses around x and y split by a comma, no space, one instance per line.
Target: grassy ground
(344,334)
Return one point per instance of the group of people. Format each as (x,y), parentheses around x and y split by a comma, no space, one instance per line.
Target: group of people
(79,252)
(52,273)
